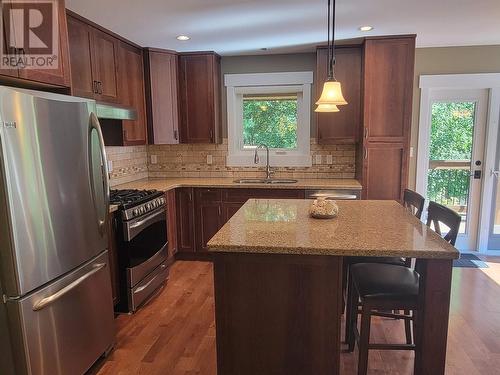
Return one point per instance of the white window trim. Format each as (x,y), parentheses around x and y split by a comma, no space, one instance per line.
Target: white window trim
(490,81)
(261,83)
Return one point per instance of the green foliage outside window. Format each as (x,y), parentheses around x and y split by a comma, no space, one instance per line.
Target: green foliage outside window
(272,122)
(452,131)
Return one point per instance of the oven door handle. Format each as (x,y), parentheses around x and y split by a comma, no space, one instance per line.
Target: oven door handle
(132,229)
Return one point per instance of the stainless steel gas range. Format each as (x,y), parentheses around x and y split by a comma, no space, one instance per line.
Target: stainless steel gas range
(142,245)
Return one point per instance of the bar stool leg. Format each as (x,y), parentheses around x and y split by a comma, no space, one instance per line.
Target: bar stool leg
(364,340)
(351,316)
(408,328)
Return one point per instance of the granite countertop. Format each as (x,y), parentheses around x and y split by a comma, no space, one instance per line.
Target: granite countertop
(172,183)
(363,228)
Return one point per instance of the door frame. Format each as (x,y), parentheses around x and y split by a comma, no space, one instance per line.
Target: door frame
(487,81)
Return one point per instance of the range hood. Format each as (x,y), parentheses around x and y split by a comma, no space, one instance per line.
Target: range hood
(115,112)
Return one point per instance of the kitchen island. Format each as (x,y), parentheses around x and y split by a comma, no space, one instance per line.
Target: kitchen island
(278,283)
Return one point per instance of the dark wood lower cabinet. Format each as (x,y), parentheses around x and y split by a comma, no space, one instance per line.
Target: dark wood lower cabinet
(113,260)
(184,204)
(171,224)
(385,172)
(201,212)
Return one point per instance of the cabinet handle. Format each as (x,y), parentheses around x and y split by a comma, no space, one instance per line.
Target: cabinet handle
(99,87)
(176,135)
(366,153)
(94,87)
(211,135)
(366,132)
(220,211)
(125,135)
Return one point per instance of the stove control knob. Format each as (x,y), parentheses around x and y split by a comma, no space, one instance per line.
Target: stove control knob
(135,212)
(149,206)
(141,210)
(162,200)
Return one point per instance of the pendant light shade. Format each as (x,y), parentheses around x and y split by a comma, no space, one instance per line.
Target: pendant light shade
(332,95)
(327,108)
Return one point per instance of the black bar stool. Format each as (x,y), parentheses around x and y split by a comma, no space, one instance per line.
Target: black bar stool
(414,203)
(389,287)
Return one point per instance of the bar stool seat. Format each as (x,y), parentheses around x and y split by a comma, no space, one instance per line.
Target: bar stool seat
(385,281)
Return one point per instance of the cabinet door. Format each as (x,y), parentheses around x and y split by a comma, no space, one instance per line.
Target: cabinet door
(197,95)
(185,220)
(61,75)
(228,210)
(162,93)
(340,127)
(132,93)
(80,49)
(104,65)
(208,214)
(171,223)
(388,88)
(385,171)
(113,260)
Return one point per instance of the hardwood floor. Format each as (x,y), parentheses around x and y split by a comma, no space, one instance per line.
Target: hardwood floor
(175,333)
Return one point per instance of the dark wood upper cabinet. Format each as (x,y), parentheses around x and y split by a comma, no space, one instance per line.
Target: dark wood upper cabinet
(93,49)
(340,127)
(59,76)
(199,94)
(162,93)
(382,160)
(388,88)
(131,89)
(80,47)
(105,65)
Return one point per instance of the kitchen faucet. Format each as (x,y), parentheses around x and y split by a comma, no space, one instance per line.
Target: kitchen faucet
(256,160)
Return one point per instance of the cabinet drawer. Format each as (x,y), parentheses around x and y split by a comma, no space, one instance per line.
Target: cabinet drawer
(242,195)
(208,195)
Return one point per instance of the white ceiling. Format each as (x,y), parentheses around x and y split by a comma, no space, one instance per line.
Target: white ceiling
(232,27)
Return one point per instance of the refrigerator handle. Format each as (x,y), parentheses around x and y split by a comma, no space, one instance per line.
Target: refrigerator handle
(44,302)
(94,124)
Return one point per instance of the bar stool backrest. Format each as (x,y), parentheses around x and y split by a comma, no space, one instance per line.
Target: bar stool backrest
(437,214)
(414,202)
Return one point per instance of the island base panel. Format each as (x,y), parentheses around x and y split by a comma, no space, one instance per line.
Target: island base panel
(277,314)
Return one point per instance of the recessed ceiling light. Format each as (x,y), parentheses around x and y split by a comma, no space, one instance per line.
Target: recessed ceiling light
(366,28)
(183,38)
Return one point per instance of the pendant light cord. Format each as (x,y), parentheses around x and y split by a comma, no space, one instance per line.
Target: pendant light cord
(331,42)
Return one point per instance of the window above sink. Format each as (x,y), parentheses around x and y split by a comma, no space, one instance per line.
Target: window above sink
(271,109)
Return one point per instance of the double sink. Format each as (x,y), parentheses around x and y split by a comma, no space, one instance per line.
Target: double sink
(265,181)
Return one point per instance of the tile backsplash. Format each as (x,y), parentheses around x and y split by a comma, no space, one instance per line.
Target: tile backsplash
(129,164)
(134,163)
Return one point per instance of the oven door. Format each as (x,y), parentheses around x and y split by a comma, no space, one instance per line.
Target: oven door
(146,244)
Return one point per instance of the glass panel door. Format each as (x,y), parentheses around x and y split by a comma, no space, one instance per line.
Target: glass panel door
(494,238)
(456,150)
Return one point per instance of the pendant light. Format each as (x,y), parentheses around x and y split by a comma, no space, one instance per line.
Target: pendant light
(331,97)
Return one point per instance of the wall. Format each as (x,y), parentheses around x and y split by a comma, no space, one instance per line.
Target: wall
(447,60)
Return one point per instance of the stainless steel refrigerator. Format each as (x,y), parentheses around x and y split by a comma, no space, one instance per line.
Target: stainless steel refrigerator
(56,316)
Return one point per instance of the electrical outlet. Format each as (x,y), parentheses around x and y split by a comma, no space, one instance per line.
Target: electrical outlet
(154,159)
(319,159)
(329,159)
(210,159)
(110,166)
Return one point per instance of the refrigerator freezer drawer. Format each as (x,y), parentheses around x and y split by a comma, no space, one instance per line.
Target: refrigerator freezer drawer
(65,327)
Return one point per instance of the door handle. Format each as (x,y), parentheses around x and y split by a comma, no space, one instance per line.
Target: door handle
(43,303)
(94,124)
(476,174)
